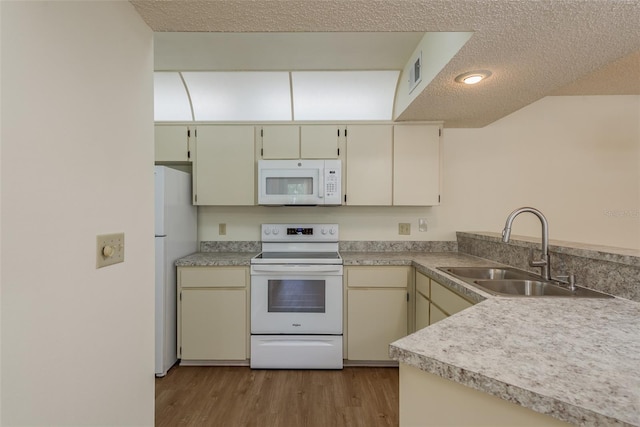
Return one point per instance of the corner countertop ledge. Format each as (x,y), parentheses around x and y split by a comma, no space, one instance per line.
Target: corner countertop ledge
(216,259)
(576,360)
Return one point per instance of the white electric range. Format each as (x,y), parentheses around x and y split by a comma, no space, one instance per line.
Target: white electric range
(297,298)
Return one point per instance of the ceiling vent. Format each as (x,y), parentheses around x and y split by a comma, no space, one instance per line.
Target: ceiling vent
(415,73)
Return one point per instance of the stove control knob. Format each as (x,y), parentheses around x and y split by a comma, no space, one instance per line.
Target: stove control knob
(276,231)
(267,231)
(332,231)
(323,230)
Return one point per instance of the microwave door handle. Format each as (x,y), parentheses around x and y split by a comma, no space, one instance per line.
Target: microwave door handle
(321,184)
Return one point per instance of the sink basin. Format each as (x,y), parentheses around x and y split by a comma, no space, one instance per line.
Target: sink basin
(490,273)
(508,281)
(526,288)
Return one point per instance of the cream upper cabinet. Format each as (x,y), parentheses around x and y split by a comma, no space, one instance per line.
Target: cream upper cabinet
(369,166)
(224,166)
(280,141)
(321,141)
(416,165)
(377,310)
(300,142)
(173,143)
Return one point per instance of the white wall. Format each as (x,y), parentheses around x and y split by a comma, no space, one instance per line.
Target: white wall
(77,157)
(575,158)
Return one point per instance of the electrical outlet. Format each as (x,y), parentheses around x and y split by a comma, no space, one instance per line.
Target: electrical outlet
(222,229)
(422,224)
(109,249)
(404,228)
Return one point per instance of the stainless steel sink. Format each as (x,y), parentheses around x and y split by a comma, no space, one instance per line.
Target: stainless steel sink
(526,288)
(490,273)
(508,281)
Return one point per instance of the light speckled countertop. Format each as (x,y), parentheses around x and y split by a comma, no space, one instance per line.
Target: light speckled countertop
(577,360)
(216,259)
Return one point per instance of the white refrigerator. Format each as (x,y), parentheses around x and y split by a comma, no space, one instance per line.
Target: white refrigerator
(176,236)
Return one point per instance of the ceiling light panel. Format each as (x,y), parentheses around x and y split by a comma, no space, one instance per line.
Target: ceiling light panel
(343,95)
(239,96)
(170,102)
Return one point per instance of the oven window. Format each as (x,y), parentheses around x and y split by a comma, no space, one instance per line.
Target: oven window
(296,296)
(289,185)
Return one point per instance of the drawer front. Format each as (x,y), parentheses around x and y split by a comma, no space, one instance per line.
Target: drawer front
(422,284)
(447,300)
(377,277)
(213,277)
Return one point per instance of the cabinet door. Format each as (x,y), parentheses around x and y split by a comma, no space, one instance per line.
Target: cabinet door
(448,301)
(422,311)
(422,301)
(213,324)
(416,165)
(435,314)
(369,165)
(320,141)
(224,167)
(281,142)
(375,318)
(172,143)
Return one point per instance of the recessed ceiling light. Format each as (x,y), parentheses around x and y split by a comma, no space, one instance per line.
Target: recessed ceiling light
(473,77)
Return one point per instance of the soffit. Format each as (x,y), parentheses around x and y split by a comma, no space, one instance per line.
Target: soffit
(533,48)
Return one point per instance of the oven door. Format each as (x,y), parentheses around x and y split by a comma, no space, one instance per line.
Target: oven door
(296,299)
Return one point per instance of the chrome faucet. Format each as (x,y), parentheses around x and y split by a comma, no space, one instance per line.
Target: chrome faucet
(544,262)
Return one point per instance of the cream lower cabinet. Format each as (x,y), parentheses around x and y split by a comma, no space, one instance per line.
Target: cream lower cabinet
(435,301)
(212,314)
(377,310)
(422,301)
(429,400)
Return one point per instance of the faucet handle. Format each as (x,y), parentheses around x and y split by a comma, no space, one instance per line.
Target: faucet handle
(569,279)
(536,262)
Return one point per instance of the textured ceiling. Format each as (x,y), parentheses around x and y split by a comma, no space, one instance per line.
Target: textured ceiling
(534,48)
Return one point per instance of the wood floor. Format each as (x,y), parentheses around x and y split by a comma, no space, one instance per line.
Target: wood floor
(240,396)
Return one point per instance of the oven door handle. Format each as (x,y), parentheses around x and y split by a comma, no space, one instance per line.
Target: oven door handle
(296,268)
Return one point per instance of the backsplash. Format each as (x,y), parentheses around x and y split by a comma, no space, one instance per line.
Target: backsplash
(606,269)
(398,246)
(344,246)
(230,246)
(611,270)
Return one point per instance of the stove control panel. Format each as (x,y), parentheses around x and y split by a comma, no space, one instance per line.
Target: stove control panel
(299,232)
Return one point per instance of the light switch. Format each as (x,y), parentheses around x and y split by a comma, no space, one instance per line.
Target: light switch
(422,224)
(222,229)
(109,249)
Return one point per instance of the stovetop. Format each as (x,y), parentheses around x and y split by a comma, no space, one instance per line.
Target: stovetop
(297,258)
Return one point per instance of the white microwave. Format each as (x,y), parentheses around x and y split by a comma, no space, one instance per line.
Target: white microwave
(299,182)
